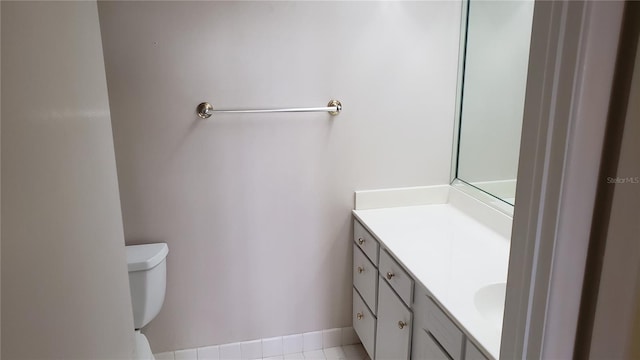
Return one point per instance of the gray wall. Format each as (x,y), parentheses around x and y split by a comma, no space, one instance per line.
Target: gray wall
(256,208)
(65,290)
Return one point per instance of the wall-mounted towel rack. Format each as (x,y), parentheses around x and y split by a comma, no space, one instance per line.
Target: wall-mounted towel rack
(205,110)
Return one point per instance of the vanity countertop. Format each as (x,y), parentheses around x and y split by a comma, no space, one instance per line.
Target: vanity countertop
(451,254)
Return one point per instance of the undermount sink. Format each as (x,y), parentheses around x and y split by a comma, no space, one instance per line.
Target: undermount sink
(489,301)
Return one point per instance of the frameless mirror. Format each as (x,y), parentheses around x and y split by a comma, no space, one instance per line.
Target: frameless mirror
(494,61)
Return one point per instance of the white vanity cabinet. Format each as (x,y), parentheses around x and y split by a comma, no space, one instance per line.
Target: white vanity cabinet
(395,316)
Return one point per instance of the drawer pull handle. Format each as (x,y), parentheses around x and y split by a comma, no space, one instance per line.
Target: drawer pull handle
(401,324)
(360,269)
(390,275)
(360,241)
(359,316)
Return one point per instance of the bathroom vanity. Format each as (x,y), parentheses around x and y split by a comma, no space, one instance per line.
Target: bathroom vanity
(429,280)
(430,264)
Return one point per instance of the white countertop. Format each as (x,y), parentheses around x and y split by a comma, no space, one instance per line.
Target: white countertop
(451,254)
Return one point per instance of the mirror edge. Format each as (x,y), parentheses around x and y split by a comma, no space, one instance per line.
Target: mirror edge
(462,48)
(483,196)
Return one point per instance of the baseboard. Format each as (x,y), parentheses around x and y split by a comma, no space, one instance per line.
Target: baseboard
(276,347)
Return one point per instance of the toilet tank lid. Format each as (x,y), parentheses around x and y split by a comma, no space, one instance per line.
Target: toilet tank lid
(145,257)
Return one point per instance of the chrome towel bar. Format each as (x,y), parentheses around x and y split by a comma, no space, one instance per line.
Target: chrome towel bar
(205,110)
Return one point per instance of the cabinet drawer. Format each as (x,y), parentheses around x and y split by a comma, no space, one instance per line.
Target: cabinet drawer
(393,335)
(364,323)
(425,348)
(444,331)
(399,280)
(473,353)
(365,241)
(365,278)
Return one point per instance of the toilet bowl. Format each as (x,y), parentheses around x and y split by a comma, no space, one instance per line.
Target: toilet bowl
(147,282)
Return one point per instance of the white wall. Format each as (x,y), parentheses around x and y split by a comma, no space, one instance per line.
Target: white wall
(65,290)
(256,208)
(494,87)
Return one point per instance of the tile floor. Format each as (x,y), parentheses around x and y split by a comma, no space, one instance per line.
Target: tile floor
(347,352)
(327,344)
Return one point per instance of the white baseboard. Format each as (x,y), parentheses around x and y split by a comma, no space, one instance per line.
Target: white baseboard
(275,347)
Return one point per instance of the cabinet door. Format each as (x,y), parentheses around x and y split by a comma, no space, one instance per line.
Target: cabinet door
(365,278)
(393,335)
(364,323)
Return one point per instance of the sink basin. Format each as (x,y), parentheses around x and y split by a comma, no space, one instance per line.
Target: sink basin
(489,301)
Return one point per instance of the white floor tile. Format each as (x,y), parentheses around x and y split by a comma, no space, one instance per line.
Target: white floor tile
(164,356)
(272,347)
(281,357)
(314,355)
(209,353)
(230,352)
(292,344)
(294,356)
(312,341)
(251,349)
(188,354)
(334,353)
(354,351)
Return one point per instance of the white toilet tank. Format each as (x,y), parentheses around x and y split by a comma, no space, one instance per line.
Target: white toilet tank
(147,280)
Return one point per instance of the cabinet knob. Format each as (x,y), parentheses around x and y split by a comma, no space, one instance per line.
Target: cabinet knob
(401,324)
(360,269)
(360,241)
(359,316)
(390,275)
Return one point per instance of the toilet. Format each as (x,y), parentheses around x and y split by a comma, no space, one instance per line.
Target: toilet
(147,281)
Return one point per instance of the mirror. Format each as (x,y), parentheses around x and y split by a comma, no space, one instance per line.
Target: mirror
(494,61)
